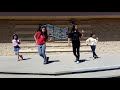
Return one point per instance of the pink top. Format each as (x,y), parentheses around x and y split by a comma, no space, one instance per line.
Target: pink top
(15,42)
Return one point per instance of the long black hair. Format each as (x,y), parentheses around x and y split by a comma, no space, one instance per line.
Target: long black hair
(45,33)
(73,28)
(92,34)
(16,36)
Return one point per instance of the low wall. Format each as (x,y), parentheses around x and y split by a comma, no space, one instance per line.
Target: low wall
(105,29)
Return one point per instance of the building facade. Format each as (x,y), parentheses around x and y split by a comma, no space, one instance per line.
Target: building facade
(105,25)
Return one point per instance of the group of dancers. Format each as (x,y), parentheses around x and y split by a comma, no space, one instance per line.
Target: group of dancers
(41,37)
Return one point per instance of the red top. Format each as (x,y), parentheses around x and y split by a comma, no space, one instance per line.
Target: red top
(40,38)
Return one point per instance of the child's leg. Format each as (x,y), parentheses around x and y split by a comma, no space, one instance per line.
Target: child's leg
(16,53)
(92,48)
(44,53)
(78,52)
(74,51)
(95,52)
(19,54)
(40,50)
(21,57)
(18,57)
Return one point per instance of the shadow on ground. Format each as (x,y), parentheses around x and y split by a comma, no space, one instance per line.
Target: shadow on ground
(53,61)
(26,58)
(92,57)
(83,60)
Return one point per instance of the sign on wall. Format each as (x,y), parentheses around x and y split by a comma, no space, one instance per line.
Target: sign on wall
(57,33)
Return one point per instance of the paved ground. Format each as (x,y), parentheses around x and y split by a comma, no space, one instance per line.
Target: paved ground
(60,66)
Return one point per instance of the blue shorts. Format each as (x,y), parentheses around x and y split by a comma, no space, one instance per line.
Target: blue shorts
(16,50)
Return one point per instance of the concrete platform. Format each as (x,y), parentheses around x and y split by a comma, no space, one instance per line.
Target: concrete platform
(60,65)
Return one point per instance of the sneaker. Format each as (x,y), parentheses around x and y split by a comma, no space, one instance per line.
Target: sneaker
(77,62)
(97,57)
(47,59)
(94,58)
(45,62)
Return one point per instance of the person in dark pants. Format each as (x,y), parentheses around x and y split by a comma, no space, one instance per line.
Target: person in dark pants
(41,37)
(92,41)
(75,37)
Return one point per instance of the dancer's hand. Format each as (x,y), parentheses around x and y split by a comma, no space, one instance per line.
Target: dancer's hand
(49,40)
(82,31)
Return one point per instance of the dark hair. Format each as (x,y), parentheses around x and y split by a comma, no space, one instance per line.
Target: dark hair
(73,28)
(92,34)
(40,30)
(16,36)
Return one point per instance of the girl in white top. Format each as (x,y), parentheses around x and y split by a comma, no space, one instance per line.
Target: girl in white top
(92,42)
(16,46)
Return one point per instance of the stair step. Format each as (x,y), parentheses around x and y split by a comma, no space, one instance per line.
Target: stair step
(53,50)
(51,46)
(60,48)
(26,37)
(54,42)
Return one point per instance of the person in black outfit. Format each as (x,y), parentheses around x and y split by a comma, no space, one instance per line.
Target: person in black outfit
(75,37)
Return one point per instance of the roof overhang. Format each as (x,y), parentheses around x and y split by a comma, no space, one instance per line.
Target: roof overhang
(57,15)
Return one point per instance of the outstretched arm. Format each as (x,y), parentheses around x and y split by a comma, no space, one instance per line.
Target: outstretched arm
(50,39)
(97,40)
(18,41)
